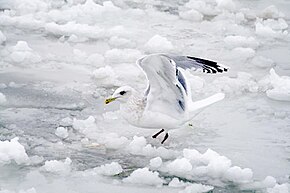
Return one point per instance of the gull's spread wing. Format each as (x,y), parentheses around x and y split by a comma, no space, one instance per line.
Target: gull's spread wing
(166,90)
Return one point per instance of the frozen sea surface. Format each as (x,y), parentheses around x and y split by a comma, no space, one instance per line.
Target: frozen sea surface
(59,60)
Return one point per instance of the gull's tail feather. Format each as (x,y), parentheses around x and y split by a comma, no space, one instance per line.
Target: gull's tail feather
(206,102)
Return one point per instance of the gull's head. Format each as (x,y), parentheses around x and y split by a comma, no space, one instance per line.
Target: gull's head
(121,94)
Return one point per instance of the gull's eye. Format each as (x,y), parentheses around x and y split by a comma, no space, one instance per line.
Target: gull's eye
(122,92)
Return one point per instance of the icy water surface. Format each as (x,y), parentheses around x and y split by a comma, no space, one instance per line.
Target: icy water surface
(61,59)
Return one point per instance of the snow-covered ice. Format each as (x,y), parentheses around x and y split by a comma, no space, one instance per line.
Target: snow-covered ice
(55,166)
(13,151)
(61,132)
(59,60)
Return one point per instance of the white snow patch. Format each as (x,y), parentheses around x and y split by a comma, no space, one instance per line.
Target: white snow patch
(158,44)
(13,151)
(281,87)
(61,132)
(2,98)
(58,167)
(144,176)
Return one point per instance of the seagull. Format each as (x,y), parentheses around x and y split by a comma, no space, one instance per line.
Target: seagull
(166,103)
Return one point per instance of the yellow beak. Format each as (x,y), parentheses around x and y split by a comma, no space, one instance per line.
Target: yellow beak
(107,101)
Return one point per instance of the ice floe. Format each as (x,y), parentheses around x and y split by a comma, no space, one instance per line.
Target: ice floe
(144,176)
(58,167)
(280,87)
(13,151)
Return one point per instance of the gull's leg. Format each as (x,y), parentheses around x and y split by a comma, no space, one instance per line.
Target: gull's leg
(165,137)
(158,133)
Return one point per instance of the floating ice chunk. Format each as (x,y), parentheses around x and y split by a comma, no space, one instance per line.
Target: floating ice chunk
(192,155)
(244,82)
(21,46)
(272,28)
(22,53)
(136,145)
(2,38)
(268,182)
(111,169)
(243,53)
(28,6)
(271,12)
(226,5)
(217,164)
(283,188)
(281,87)
(2,98)
(105,76)
(120,42)
(61,132)
(191,15)
(176,183)
(144,176)
(240,41)
(59,167)
(96,60)
(13,151)
(36,159)
(80,30)
(30,190)
(156,162)
(158,44)
(179,166)
(200,6)
(113,141)
(239,175)
(75,39)
(2,85)
(117,56)
(87,126)
(66,122)
(262,62)
(196,188)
